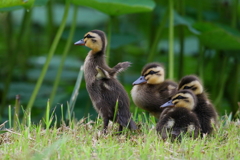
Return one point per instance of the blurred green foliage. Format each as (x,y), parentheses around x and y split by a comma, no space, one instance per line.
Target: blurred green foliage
(206,43)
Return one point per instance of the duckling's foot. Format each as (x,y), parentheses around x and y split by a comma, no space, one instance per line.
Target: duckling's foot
(104,131)
(120,131)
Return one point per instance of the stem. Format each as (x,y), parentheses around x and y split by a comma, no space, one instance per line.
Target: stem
(233,86)
(153,48)
(171,40)
(201,60)
(109,39)
(50,22)
(201,52)
(10,116)
(199,11)
(75,92)
(10,48)
(181,41)
(234,78)
(181,54)
(64,55)
(234,13)
(222,78)
(25,38)
(50,55)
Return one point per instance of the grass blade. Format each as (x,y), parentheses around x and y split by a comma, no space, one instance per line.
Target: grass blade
(115,111)
(16,112)
(10,116)
(153,49)
(47,118)
(75,93)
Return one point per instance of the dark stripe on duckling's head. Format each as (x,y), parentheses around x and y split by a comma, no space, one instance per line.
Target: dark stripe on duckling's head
(151,65)
(191,82)
(153,73)
(88,36)
(183,98)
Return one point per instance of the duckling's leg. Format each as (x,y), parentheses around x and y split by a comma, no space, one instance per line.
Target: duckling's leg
(105,125)
(120,128)
(119,68)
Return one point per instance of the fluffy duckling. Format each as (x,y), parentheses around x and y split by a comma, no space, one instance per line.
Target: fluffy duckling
(104,89)
(205,110)
(179,118)
(150,90)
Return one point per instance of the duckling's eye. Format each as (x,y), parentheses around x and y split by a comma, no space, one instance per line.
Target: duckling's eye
(88,36)
(152,72)
(93,40)
(187,87)
(180,97)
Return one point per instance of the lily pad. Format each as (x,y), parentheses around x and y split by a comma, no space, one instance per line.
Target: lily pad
(40,2)
(9,5)
(218,36)
(118,7)
(186,21)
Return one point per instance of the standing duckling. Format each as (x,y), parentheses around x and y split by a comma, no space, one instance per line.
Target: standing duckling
(179,117)
(205,110)
(150,90)
(104,89)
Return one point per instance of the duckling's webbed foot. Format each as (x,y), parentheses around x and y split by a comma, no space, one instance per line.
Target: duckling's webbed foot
(102,73)
(119,68)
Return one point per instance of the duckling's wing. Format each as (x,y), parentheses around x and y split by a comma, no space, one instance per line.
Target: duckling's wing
(102,73)
(166,90)
(172,89)
(119,68)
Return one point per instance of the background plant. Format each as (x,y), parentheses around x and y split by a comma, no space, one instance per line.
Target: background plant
(189,37)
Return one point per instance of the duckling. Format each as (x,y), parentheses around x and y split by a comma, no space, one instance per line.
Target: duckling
(104,89)
(179,118)
(150,90)
(205,110)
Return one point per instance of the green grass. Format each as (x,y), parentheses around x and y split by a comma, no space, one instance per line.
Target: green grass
(84,140)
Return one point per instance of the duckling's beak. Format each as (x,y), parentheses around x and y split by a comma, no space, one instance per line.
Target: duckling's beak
(169,103)
(80,42)
(140,80)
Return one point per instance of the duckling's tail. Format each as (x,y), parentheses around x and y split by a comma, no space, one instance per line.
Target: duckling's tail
(132,125)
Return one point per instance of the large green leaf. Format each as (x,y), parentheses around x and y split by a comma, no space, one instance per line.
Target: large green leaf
(8,5)
(217,36)
(186,21)
(40,2)
(118,7)
(11,5)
